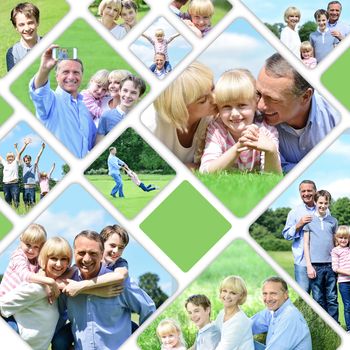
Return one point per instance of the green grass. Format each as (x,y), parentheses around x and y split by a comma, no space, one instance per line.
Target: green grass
(21,210)
(135,198)
(51,12)
(253,270)
(231,187)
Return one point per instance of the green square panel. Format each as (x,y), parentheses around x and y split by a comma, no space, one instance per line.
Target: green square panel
(5,226)
(5,111)
(336,79)
(185,226)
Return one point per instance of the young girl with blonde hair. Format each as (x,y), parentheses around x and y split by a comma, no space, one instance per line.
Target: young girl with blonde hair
(170,335)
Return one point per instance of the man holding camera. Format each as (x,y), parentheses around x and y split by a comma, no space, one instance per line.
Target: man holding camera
(62,111)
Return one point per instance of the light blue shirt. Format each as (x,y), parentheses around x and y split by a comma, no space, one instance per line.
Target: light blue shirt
(114,165)
(286,328)
(290,233)
(293,147)
(105,323)
(339,26)
(208,337)
(109,120)
(68,119)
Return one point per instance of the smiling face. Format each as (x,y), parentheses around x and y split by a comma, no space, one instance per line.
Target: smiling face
(322,205)
(31,250)
(229,297)
(307,193)
(334,11)
(170,340)
(322,22)
(69,75)
(159,60)
(201,22)
(342,241)
(198,315)
(27,27)
(292,21)
(97,90)
(114,248)
(273,295)
(128,95)
(110,12)
(10,158)
(56,265)
(129,16)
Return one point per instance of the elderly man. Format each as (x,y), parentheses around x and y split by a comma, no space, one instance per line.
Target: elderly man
(286,100)
(62,111)
(285,326)
(338,28)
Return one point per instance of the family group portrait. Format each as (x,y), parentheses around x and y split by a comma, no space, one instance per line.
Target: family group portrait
(238,304)
(307,232)
(240,118)
(72,280)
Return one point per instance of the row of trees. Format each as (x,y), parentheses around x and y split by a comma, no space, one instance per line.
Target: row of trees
(304,32)
(267,230)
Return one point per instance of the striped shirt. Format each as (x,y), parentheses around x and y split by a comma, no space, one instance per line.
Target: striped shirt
(341,260)
(18,271)
(93,105)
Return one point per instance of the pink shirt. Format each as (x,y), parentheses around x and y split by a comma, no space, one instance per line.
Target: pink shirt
(341,260)
(92,104)
(133,176)
(18,271)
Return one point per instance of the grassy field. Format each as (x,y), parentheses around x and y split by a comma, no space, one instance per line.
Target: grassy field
(135,198)
(21,210)
(253,270)
(231,187)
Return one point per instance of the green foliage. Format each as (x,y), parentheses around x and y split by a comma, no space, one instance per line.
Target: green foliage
(275,28)
(306,29)
(149,283)
(65,169)
(340,209)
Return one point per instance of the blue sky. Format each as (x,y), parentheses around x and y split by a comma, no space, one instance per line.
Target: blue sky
(271,11)
(330,172)
(177,49)
(76,210)
(49,156)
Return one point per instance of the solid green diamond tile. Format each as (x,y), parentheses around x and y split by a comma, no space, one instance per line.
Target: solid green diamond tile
(6,111)
(5,226)
(336,79)
(185,226)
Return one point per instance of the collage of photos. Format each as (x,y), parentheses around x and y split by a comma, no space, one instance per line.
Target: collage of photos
(130,213)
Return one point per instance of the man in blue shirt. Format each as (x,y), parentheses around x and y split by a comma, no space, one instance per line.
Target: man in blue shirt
(338,28)
(286,100)
(114,165)
(63,111)
(285,326)
(293,230)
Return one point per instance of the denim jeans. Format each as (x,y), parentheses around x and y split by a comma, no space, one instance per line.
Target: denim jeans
(344,288)
(118,186)
(300,274)
(324,288)
(11,194)
(29,196)
(63,338)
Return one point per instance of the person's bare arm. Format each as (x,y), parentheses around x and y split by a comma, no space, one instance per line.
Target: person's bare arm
(27,141)
(39,154)
(147,37)
(46,65)
(171,38)
(51,170)
(310,269)
(99,138)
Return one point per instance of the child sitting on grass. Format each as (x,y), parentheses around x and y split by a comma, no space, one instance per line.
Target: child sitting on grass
(170,335)
(232,140)
(94,94)
(201,12)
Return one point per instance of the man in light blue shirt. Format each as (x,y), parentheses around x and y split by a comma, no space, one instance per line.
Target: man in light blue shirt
(286,100)
(338,28)
(114,165)
(285,326)
(63,111)
(293,230)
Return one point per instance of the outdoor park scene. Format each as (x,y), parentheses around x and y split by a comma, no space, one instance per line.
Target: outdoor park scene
(143,177)
(272,229)
(253,270)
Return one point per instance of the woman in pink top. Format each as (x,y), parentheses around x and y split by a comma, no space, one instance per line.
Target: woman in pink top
(44,181)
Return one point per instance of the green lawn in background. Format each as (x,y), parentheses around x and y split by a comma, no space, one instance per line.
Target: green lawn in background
(6,111)
(51,12)
(21,210)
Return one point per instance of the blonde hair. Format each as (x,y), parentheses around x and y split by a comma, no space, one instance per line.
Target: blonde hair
(159,32)
(168,326)
(100,77)
(10,154)
(54,246)
(291,11)
(237,285)
(235,85)
(104,3)
(34,234)
(306,46)
(119,74)
(171,104)
(342,231)
(201,8)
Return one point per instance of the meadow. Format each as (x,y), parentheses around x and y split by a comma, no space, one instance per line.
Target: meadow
(21,210)
(135,198)
(253,269)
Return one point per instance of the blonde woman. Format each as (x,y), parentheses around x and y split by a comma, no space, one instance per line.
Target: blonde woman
(110,10)
(182,113)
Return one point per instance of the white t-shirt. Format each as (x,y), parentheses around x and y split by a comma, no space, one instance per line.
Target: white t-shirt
(118,32)
(10,172)
(291,39)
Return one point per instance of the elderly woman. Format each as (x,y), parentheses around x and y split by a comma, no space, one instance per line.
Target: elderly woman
(182,113)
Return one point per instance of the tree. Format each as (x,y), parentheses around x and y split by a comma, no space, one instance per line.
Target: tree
(306,29)
(275,28)
(149,283)
(340,209)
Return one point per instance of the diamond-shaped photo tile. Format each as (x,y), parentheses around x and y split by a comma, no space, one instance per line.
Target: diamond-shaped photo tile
(240,135)
(311,30)
(161,48)
(80,103)
(119,16)
(306,230)
(5,225)
(23,24)
(200,15)
(6,111)
(185,216)
(129,173)
(29,168)
(114,290)
(232,304)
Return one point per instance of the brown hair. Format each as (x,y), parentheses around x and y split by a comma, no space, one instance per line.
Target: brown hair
(28,9)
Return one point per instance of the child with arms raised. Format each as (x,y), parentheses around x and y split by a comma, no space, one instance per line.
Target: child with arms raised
(232,140)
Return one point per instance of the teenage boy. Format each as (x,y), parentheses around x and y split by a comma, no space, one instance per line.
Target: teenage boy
(25,19)
(198,307)
(131,89)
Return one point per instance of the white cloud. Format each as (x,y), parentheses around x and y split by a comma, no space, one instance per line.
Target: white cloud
(339,148)
(339,188)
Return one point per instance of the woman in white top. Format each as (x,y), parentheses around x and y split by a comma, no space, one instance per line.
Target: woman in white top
(289,34)
(234,325)
(182,113)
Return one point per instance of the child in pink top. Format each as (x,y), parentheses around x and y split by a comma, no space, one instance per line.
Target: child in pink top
(307,54)
(44,181)
(341,265)
(135,179)
(232,140)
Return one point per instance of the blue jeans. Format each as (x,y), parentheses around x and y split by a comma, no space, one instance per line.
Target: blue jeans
(118,186)
(324,288)
(344,288)
(29,196)
(147,188)
(11,322)
(63,338)
(11,193)
(259,346)
(300,274)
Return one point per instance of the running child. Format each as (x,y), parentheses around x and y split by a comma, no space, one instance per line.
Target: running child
(233,140)
(341,266)
(129,14)
(307,54)
(44,180)
(170,335)
(94,94)
(110,10)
